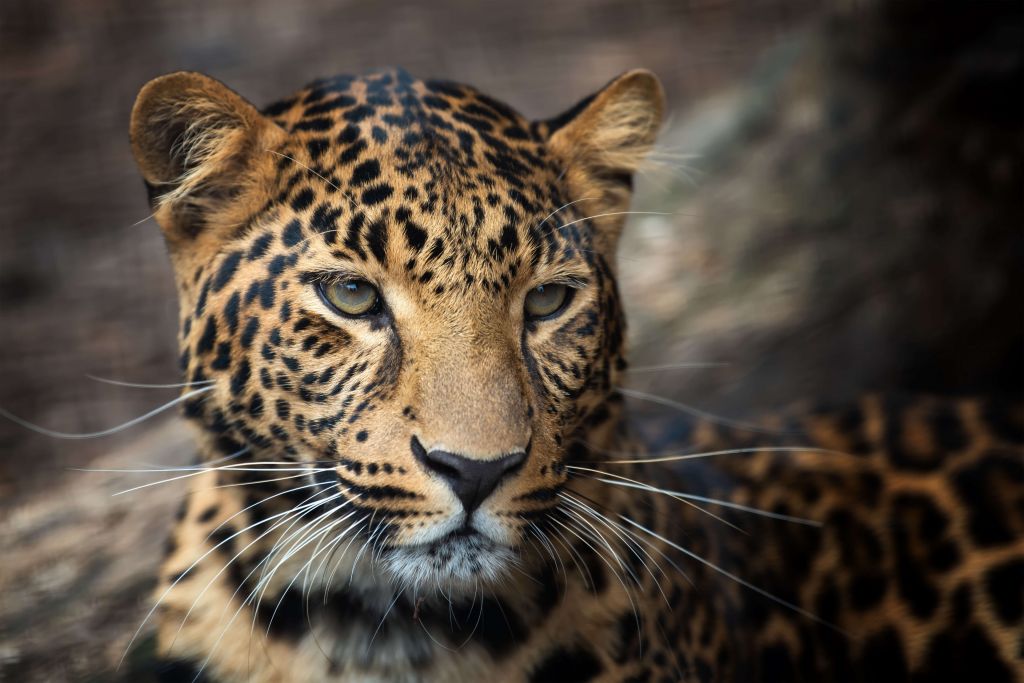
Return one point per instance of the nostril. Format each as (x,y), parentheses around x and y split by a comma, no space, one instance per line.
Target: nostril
(444,469)
(438,462)
(512,462)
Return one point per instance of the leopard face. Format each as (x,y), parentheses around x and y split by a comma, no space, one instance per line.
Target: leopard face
(400,292)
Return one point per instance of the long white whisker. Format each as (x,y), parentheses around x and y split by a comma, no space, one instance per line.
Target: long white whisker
(709,454)
(563,206)
(697,412)
(183,575)
(629,483)
(760,591)
(286,516)
(642,369)
(104,432)
(625,588)
(611,213)
(630,545)
(641,485)
(142,385)
(227,469)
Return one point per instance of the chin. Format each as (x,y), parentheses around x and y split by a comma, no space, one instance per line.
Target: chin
(459,562)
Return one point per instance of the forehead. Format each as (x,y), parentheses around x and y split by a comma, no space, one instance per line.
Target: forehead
(462,175)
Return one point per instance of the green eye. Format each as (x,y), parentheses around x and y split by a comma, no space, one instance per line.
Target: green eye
(351,297)
(546,300)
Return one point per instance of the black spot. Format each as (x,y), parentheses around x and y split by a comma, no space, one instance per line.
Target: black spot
(284,616)
(317,146)
(223,539)
(205,344)
(989,523)
(566,665)
(292,234)
(179,670)
(377,239)
(252,326)
(377,194)
(324,220)
(883,659)
(339,102)
(240,378)
(357,114)
(867,591)
(415,235)
(223,359)
(964,654)
(226,270)
(320,124)
(267,293)
(366,172)
(509,238)
(208,514)
(435,102)
(282,408)
(303,199)
(1005,586)
(256,406)
(231,311)
(259,246)
(361,436)
(279,107)
(947,429)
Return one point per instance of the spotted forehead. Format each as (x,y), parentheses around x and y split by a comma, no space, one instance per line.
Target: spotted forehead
(463,177)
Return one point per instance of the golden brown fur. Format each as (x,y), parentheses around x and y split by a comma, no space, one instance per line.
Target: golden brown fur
(335,532)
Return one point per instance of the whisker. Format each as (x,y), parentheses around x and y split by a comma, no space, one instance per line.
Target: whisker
(611,213)
(286,515)
(625,588)
(627,542)
(680,499)
(227,469)
(709,454)
(245,602)
(563,206)
(194,564)
(350,198)
(105,432)
(643,369)
(638,539)
(633,484)
(142,385)
(760,591)
(703,414)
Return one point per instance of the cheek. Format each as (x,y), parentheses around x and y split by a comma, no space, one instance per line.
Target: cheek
(565,358)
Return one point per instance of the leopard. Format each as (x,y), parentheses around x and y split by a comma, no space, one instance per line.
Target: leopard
(403,350)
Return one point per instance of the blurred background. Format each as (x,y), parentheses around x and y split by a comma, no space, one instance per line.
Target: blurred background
(844,184)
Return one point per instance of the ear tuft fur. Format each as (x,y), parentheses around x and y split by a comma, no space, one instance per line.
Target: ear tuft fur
(196,142)
(605,138)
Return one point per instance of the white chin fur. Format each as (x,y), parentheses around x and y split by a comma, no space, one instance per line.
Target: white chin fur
(459,563)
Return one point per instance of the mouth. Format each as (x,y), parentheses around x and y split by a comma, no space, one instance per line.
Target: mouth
(462,558)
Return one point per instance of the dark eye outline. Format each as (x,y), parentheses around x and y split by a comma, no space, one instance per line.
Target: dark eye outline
(570,294)
(376,309)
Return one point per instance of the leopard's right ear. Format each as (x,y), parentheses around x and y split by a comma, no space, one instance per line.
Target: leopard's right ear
(202,150)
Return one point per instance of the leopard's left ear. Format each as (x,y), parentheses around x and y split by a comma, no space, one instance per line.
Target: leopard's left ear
(603,140)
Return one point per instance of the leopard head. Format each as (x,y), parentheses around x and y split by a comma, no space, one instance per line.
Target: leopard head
(405,288)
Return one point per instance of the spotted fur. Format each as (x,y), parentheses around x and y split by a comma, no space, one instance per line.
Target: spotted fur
(324,539)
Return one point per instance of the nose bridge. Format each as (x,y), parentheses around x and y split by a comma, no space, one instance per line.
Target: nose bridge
(471,398)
